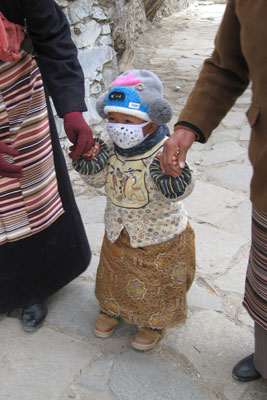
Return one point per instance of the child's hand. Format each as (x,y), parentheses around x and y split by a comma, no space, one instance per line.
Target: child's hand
(174,162)
(93,152)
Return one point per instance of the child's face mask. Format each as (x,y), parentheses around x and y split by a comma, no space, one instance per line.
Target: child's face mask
(126,136)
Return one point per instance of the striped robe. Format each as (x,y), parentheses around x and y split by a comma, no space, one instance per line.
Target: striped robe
(32,203)
(43,242)
(255,299)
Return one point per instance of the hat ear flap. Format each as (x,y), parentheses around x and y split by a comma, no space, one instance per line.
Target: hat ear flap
(100,104)
(160,111)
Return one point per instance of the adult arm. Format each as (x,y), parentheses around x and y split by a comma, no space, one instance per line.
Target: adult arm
(223,78)
(62,74)
(56,54)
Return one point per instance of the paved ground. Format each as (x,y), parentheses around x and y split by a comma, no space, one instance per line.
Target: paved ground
(64,360)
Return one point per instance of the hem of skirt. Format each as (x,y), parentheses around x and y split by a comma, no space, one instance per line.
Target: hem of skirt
(255,318)
(143,325)
(46,296)
(34,232)
(169,326)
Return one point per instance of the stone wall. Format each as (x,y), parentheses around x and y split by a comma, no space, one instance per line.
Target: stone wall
(156,9)
(105,32)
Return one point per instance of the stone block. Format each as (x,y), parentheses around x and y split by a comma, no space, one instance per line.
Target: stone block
(213,345)
(78,393)
(106,29)
(211,203)
(39,365)
(233,176)
(79,10)
(223,152)
(90,272)
(93,59)
(105,40)
(131,375)
(74,308)
(234,118)
(96,378)
(203,298)
(234,279)
(96,88)
(245,132)
(215,249)
(91,115)
(85,35)
(98,14)
(95,233)
(238,220)
(92,210)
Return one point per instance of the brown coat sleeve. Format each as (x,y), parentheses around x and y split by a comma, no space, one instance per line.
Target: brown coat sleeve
(223,78)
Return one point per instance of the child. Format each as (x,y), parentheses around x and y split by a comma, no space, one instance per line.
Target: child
(147,261)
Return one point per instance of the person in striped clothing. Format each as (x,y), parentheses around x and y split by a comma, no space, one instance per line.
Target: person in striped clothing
(43,244)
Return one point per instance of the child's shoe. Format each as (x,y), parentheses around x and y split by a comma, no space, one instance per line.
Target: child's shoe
(105,325)
(147,338)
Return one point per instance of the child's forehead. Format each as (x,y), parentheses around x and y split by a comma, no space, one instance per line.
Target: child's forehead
(121,116)
(117,114)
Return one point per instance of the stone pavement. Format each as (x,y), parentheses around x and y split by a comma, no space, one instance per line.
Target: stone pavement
(64,360)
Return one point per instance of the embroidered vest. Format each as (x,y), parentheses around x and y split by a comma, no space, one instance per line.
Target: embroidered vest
(125,184)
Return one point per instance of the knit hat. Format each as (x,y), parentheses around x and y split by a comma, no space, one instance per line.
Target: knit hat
(137,92)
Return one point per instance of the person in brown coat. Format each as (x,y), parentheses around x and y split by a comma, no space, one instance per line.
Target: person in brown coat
(239,58)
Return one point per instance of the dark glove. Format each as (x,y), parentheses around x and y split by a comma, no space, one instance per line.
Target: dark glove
(79,133)
(7,169)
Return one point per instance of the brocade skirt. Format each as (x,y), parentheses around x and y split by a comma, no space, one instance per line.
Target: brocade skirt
(147,286)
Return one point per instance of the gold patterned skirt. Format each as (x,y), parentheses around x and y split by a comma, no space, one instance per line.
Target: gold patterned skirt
(147,286)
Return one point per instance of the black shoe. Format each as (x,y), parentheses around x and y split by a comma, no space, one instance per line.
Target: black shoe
(245,370)
(2,316)
(33,316)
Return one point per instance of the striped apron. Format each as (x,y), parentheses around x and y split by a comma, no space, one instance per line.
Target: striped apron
(32,203)
(255,299)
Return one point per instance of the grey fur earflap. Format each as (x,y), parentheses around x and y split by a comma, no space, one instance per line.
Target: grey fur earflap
(160,111)
(137,92)
(100,105)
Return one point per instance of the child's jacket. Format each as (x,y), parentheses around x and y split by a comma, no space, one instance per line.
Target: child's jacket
(140,198)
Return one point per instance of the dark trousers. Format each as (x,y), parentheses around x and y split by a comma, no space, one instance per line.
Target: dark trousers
(260,356)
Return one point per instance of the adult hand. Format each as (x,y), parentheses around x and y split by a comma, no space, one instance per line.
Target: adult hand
(79,133)
(92,153)
(6,169)
(175,148)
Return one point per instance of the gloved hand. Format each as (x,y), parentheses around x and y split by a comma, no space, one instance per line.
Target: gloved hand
(79,133)
(6,169)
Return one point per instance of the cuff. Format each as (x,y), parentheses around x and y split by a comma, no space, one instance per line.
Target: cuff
(95,165)
(199,134)
(170,187)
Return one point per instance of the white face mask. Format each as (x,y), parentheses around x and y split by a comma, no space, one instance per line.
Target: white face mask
(126,136)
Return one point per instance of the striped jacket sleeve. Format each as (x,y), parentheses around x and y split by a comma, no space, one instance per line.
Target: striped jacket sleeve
(171,188)
(94,169)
